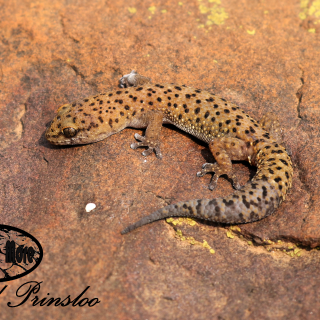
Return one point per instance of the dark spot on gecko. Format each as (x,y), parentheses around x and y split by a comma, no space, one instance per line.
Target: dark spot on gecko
(74,104)
(198,101)
(264,178)
(234,109)
(246,131)
(228,203)
(169,104)
(175,105)
(176,95)
(264,192)
(235,196)
(59,125)
(252,130)
(101,102)
(277,179)
(149,94)
(74,119)
(159,99)
(120,101)
(266,135)
(197,120)
(86,100)
(133,113)
(110,123)
(223,99)
(213,119)
(169,90)
(92,104)
(197,110)
(68,116)
(220,124)
(139,89)
(150,103)
(278,168)
(184,106)
(271,171)
(287,174)
(226,111)
(194,95)
(245,202)
(284,162)
(82,121)
(116,120)
(217,153)
(95,109)
(178,88)
(238,123)
(228,121)
(217,113)
(234,129)
(180,116)
(197,91)
(169,98)
(101,120)
(127,107)
(215,106)
(141,101)
(207,114)
(142,109)
(186,110)
(251,192)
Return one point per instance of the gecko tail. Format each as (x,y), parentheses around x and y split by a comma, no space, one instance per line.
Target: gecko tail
(255,201)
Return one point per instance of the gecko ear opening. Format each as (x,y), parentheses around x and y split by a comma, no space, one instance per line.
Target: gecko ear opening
(69,132)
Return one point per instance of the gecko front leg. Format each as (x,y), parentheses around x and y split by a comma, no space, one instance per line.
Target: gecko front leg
(153,121)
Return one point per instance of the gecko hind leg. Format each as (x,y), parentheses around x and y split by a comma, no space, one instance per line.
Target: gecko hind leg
(224,150)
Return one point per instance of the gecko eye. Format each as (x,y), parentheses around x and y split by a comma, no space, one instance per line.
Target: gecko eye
(69,132)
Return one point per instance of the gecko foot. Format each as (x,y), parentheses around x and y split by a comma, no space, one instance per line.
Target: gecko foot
(133,79)
(214,167)
(152,146)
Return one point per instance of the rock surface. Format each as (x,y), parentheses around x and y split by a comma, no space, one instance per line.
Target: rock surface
(263,57)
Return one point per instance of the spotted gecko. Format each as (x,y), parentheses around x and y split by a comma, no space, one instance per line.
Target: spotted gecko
(230,133)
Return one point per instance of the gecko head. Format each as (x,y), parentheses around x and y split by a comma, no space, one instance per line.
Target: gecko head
(74,125)
(62,129)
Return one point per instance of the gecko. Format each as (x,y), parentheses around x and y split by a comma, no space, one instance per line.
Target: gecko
(230,133)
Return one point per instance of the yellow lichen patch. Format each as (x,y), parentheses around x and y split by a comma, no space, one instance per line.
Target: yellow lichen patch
(192,241)
(235,228)
(310,9)
(180,221)
(230,234)
(216,14)
(252,32)
(132,10)
(152,9)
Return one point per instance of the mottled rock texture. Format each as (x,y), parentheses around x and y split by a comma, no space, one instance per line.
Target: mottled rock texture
(263,56)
